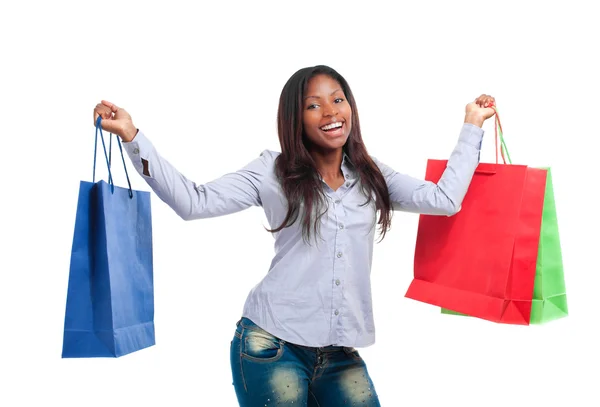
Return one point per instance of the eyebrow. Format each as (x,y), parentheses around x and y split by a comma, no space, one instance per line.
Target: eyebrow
(319,97)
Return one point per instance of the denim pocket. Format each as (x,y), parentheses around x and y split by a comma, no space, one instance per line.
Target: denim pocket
(260,346)
(353,353)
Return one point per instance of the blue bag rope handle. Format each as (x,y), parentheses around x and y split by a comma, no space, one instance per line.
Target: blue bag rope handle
(99,128)
(109,149)
(109,158)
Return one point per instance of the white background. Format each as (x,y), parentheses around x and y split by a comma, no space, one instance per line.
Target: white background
(203,82)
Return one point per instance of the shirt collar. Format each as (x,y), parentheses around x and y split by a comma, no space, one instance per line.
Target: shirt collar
(347,166)
(346,160)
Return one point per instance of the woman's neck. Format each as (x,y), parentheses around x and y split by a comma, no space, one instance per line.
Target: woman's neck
(328,163)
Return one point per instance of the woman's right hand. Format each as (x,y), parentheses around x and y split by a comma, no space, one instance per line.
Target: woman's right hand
(115,120)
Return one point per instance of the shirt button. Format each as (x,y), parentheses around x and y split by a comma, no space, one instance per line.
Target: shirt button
(347,184)
(337,201)
(337,312)
(337,282)
(347,176)
(136,151)
(341,226)
(339,254)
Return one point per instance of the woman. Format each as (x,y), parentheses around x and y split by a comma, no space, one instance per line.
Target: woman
(294,345)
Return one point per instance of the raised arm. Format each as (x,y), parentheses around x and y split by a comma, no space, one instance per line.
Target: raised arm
(444,198)
(230,193)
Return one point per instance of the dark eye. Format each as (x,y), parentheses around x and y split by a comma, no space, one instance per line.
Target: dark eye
(313,106)
(339,100)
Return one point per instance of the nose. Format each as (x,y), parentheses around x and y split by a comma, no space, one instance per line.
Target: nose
(330,111)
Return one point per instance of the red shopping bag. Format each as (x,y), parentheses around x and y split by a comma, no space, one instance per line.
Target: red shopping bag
(482,261)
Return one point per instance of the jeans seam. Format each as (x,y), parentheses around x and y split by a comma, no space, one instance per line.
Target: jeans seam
(265,360)
(241,360)
(312,379)
(320,364)
(314,397)
(353,353)
(258,329)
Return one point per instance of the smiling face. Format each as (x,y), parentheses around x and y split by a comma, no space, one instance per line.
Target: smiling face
(327,115)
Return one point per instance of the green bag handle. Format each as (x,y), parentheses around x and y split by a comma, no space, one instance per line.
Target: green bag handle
(499,135)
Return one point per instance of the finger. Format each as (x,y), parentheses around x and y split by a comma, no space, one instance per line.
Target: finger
(111,126)
(99,111)
(110,105)
(485,100)
(103,111)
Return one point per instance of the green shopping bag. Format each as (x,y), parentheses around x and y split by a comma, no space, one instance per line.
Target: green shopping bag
(549,291)
(549,301)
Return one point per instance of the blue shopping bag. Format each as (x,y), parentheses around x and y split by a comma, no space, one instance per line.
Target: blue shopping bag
(110,297)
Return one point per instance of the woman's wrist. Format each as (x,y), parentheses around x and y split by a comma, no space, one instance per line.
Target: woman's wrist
(129,133)
(475,119)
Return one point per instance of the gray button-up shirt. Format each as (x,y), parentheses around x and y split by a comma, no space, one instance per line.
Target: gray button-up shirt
(316,294)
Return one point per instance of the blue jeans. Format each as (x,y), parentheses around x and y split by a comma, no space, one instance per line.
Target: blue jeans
(268,371)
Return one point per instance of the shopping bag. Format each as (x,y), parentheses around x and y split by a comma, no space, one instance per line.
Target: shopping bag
(482,261)
(549,292)
(110,295)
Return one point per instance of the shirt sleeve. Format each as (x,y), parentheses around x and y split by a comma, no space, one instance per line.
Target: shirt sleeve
(228,194)
(444,198)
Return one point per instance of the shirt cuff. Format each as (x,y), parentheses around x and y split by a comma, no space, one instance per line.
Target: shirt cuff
(137,149)
(139,146)
(472,135)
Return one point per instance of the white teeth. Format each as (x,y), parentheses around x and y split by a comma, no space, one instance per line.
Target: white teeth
(332,126)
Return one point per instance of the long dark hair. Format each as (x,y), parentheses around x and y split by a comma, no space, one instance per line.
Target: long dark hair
(296,170)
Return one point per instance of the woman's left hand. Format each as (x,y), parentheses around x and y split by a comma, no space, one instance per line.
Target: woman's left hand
(480,110)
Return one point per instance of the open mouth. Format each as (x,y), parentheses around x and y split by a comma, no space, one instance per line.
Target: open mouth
(333,129)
